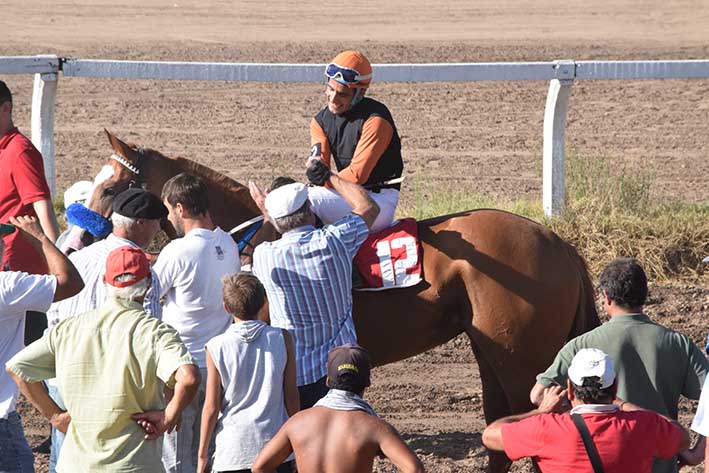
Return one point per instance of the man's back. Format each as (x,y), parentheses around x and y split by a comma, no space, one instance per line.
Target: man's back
(115,362)
(307,276)
(327,440)
(626,441)
(655,365)
(190,270)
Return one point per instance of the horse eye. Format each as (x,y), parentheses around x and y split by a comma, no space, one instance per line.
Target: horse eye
(109,192)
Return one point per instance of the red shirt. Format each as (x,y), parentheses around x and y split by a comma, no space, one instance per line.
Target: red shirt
(626,441)
(22,182)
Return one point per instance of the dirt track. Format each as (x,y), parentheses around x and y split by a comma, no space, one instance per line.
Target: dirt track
(480,136)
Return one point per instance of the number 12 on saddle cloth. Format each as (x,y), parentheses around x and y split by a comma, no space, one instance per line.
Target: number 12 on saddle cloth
(390,258)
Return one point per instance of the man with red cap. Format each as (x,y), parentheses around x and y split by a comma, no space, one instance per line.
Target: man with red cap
(116,362)
(341,432)
(357,133)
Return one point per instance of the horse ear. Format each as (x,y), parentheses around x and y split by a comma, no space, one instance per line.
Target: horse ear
(120,147)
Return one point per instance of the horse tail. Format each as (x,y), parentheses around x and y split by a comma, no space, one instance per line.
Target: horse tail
(586,317)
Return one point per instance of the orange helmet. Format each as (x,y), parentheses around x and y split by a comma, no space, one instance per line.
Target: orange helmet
(350,68)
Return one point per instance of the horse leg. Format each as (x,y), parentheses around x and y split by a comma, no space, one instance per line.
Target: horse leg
(495,404)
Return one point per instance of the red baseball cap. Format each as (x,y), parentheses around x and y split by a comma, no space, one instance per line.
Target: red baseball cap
(126,260)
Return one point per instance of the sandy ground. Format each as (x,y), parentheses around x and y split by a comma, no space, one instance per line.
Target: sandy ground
(483,137)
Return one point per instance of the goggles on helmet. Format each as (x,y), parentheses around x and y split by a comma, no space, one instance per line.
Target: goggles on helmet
(345,75)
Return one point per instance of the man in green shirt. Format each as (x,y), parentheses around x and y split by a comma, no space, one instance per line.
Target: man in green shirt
(115,363)
(655,365)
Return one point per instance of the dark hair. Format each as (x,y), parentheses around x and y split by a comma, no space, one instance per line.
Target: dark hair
(5,94)
(281,181)
(243,295)
(348,382)
(592,393)
(625,283)
(187,190)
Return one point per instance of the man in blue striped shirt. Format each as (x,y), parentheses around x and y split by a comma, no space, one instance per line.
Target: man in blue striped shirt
(308,272)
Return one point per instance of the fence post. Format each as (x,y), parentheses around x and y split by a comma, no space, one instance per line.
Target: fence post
(554,192)
(43,99)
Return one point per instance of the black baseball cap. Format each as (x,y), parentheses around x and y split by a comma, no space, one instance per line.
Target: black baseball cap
(139,203)
(349,363)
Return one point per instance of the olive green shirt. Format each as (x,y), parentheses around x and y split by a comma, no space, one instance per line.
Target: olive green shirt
(110,363)
(654,365)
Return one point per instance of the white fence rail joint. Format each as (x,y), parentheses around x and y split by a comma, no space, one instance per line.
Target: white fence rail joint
(560,74)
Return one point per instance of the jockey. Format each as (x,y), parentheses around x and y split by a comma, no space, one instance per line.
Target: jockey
(359,135)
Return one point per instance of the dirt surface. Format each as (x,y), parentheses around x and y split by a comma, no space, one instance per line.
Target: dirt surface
(485,137)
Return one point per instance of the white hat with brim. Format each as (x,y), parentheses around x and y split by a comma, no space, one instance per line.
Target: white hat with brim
(285,200)
(78,192)
(589,363)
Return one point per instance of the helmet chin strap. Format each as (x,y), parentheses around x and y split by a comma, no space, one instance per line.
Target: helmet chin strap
(356,98)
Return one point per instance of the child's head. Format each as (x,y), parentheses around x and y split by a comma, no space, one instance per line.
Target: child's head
(243,295)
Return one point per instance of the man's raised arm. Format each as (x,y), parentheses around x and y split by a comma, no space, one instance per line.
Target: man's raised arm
(69,281)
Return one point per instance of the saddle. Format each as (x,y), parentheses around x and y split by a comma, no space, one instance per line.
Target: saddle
(390,258)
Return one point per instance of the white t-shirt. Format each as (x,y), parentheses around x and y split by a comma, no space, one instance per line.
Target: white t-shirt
(190,271)
(700,424)
(19,292)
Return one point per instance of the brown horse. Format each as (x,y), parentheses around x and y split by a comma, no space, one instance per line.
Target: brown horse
(514,287)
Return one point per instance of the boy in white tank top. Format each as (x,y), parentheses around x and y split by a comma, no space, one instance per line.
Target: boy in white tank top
(251,388)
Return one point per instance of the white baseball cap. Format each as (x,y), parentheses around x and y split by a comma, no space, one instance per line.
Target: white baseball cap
(78,192)
(285,200)
(590,362)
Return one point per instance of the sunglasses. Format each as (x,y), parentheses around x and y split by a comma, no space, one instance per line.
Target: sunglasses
(344,75)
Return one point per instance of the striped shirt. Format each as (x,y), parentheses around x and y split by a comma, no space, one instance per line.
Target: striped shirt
(308,278)
(91,264)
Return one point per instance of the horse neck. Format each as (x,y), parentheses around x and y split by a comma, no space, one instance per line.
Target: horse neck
(230,202)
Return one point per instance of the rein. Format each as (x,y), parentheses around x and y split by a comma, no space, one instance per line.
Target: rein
(253,225)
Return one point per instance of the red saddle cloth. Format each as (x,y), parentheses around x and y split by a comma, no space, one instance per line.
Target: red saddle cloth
(390,258)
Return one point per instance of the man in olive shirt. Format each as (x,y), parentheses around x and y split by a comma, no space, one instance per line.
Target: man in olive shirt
(655,365)
(116,361)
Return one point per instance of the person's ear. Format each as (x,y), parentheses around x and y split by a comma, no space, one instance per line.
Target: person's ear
(570,390)
(327,381)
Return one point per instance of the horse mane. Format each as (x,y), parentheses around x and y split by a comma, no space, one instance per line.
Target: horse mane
(223,183)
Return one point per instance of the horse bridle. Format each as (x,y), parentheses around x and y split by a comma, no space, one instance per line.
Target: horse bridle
(136,168)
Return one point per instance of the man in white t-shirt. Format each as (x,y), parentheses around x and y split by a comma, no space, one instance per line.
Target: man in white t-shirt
(190,271)
(21,292)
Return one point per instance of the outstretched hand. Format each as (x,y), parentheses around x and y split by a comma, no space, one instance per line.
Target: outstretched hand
(554,400)
(154,423)
(258,195)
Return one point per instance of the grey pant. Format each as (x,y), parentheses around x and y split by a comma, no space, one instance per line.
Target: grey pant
(15,453)
(180,448)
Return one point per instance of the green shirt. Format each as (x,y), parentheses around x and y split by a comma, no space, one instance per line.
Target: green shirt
(114,362)
(654,365)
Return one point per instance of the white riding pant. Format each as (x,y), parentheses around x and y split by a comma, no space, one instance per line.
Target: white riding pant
(331,207)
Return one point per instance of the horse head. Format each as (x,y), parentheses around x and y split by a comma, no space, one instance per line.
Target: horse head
(123,169)
(130,166)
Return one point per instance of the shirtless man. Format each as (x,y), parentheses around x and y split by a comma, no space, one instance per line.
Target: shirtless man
(341,432)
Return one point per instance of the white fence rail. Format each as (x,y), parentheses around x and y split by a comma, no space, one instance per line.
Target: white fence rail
(561,75)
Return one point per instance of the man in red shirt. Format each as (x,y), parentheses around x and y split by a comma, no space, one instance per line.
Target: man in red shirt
(23,191)
(626,437)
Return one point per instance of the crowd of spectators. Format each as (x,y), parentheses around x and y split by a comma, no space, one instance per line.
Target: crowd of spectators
(187,364)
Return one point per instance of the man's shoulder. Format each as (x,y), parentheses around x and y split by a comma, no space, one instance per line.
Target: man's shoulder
(350,221)
(21,281)
(19,143)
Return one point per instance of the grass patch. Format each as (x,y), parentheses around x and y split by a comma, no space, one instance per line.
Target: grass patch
(610,212)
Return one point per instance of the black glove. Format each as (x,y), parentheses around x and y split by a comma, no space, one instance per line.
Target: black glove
(318,173)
